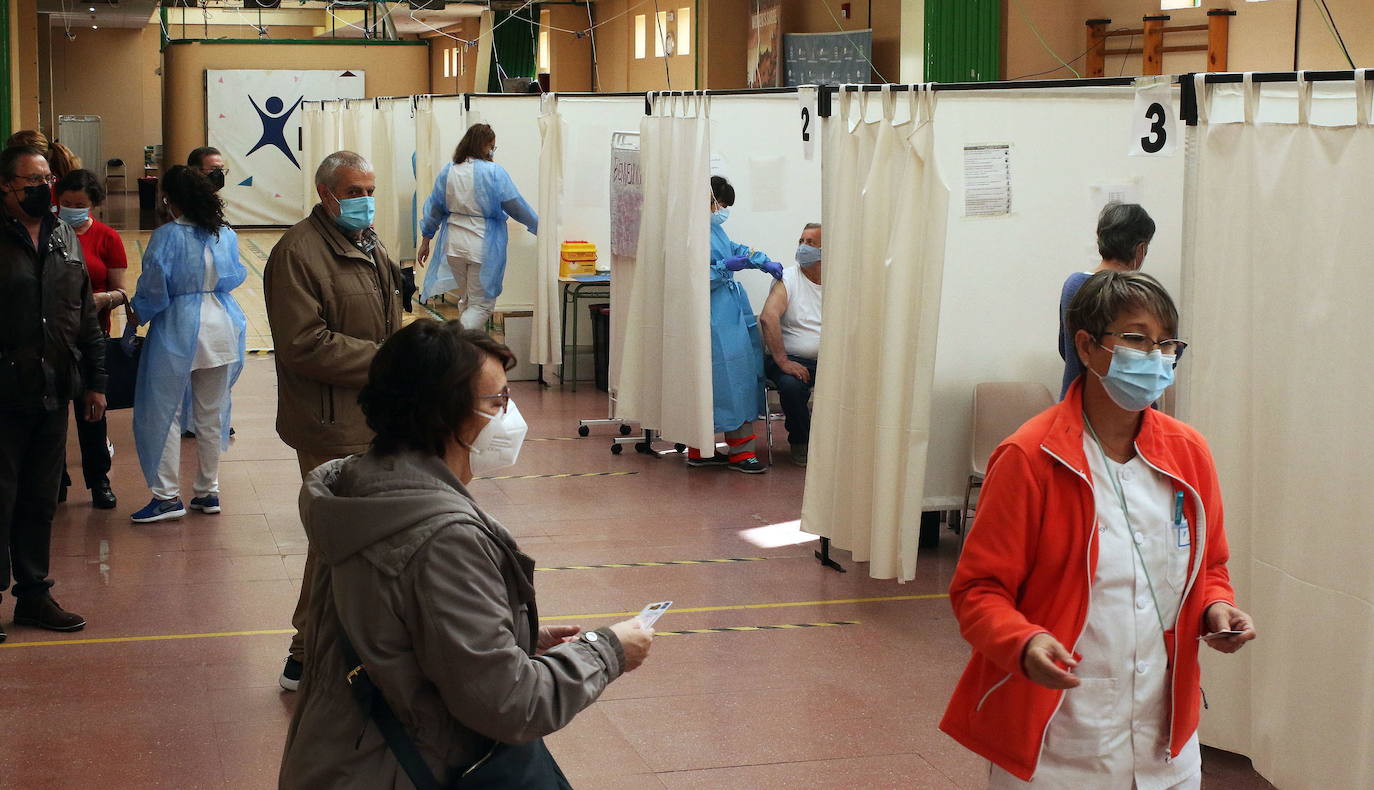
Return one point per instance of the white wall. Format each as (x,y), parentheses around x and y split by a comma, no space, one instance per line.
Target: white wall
(758,141)
(1003,275)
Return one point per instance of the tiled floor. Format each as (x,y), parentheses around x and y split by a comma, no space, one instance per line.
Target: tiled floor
(173,684)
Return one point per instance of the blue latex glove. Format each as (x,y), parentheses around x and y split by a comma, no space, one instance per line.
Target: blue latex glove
(737,263)
(772,267)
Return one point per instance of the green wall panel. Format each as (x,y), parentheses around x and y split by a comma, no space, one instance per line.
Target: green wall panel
(963,40)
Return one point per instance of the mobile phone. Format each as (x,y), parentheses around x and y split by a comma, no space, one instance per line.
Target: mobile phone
(1220,635)
(652,612)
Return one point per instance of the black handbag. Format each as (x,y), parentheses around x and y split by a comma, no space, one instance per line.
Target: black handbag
(122,355)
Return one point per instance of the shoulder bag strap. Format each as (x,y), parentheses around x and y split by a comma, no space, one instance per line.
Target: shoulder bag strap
(374,706)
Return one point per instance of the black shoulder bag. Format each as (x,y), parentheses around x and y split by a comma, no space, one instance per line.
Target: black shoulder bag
(527,766)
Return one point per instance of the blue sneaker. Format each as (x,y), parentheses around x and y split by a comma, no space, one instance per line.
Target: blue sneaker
(159,510)
(206,504)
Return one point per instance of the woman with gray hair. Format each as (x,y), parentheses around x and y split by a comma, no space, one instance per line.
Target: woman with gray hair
(1124,231)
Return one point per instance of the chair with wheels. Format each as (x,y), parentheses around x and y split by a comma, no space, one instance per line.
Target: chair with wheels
(999,408)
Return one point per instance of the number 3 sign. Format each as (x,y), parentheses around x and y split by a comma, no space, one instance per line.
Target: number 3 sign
(1154,126)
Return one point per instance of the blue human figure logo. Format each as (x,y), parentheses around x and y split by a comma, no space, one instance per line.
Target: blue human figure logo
(274,126)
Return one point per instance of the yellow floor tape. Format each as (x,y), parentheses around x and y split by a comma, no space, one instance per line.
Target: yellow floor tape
(617,615)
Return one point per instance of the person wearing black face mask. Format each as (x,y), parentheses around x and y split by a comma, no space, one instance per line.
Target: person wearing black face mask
(51,352)
(210,162)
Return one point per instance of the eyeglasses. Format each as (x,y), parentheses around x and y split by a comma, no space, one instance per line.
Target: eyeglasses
(1146,344)
(38,181)
(503,396)
(222,170)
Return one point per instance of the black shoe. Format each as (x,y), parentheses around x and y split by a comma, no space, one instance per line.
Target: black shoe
(102,497)
(42,611)
(749,466)
(3,635)
(188,434)
(715,460)
(290,679)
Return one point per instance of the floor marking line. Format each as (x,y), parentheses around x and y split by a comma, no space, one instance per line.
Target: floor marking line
(739,607)
(750,628)
(109,640)
(559,476)
(276,631)
(659,564)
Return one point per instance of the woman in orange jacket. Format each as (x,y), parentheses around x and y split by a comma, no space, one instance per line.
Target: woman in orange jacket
(1096,565)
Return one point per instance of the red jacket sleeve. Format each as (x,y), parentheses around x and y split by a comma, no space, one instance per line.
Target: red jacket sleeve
(997,557)
(1215,577)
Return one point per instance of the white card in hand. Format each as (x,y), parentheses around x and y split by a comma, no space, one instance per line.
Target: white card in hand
(652,612)
(1220,635)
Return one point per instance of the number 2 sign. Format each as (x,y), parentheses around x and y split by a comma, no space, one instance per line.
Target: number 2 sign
(1154,126)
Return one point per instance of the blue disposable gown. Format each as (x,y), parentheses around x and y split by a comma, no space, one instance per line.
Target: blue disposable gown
(498,197)
(736,343)
(168,299)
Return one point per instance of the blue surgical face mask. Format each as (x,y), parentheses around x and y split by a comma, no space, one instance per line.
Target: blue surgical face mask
(720,215)
(808,255)
(1137,379)
(74,216)
(357,213)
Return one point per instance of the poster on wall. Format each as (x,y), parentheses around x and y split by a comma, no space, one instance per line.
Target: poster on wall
(254,118)
(764,56)
(627,194)
(828,58)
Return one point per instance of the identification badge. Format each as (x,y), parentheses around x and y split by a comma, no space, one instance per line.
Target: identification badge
(1182,537)
(652,612)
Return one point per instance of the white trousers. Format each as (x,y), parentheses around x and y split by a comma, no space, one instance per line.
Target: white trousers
(209,394)
(468,275)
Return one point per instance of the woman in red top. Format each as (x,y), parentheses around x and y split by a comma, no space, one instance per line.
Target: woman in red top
(77,193)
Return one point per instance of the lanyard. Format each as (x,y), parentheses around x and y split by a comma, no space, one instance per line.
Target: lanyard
(1126,511)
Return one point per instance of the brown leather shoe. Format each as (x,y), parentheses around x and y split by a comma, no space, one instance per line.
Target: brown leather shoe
(43,612)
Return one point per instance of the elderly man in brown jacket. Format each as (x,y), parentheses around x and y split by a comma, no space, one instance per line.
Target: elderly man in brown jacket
(333,295)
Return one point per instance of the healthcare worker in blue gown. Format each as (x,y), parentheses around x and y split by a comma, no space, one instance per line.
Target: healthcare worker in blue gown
(464,226)
(195,339)
(736,342)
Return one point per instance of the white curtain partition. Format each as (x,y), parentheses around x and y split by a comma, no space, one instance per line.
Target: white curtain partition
(546,345)
(322,135)
(1277,290)
(665,379)
(884,208)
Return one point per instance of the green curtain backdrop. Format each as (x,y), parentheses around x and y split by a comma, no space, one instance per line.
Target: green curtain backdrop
(963,40)
(513,45)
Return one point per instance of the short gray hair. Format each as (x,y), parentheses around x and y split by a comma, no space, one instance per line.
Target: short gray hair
(1103,298)
(1121,227)
(327,173)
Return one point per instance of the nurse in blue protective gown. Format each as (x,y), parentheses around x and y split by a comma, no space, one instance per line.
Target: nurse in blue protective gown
(464,227)
(194,348)
(736,343)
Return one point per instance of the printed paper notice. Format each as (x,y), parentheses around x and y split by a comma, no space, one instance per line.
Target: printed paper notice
(987,180)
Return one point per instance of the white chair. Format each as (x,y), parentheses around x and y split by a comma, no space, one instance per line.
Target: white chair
(999,408)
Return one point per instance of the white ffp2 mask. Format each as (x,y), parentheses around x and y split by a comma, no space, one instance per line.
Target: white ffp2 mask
(497,445)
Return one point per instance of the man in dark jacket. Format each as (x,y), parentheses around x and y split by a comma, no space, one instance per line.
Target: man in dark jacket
(51,351)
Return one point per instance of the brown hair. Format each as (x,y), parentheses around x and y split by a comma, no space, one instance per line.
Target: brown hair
(475,144)
(1101,299)
(61,160)
(421,387)
(192,193)
(29,138)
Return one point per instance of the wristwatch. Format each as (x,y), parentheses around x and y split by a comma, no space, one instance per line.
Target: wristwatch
(590,637)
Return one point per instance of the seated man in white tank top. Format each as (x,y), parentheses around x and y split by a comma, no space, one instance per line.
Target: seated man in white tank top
(791,323)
